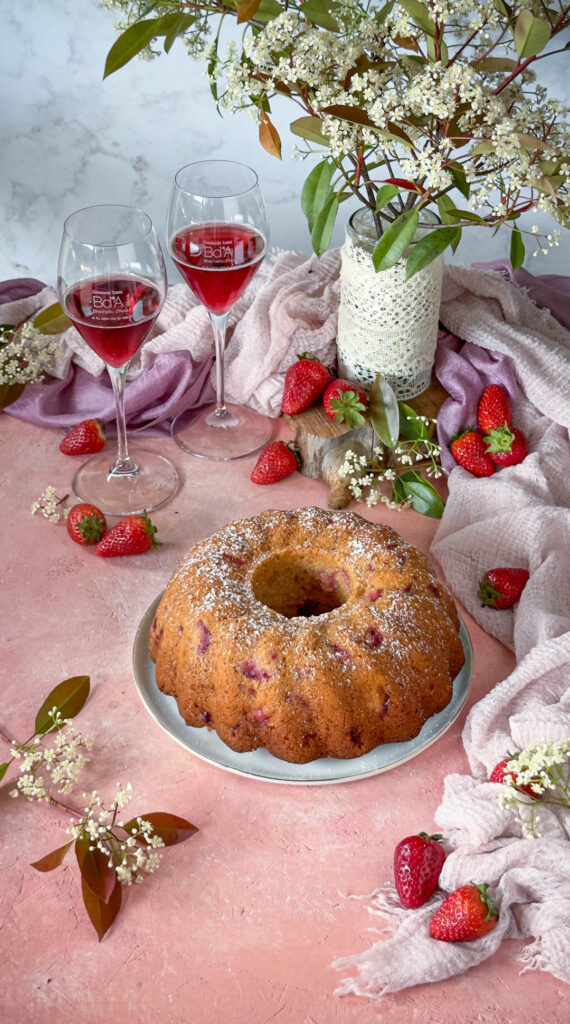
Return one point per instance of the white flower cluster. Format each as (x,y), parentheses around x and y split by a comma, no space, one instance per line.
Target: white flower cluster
(27,356)
(132,855)
(61,764)
(50,506)
(544,768)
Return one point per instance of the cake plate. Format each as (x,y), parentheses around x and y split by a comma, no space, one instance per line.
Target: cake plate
(259,764)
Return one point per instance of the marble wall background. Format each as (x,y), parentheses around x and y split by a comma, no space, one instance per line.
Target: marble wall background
(69,139)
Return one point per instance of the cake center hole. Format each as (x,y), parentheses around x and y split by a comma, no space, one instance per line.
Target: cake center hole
(294,586)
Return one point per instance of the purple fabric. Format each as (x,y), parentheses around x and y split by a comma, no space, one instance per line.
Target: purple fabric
(19,288)
(465,369)
(173,383)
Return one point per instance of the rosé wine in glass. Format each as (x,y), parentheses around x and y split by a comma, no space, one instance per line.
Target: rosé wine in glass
(113,315)
(112,284)
(218,234)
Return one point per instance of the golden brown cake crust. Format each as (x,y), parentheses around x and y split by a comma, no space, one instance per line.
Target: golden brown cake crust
(312,633)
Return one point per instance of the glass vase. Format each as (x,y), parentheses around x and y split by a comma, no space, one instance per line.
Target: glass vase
(386,324)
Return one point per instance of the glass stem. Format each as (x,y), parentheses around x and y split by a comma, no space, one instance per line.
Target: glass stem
(124,465)
(219,323)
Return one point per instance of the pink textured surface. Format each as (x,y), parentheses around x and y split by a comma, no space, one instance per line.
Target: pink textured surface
(241,923)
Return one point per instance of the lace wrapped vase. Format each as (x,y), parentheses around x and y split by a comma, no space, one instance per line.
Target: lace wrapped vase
(386,324)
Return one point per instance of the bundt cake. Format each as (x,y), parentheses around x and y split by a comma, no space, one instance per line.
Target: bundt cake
(311,633)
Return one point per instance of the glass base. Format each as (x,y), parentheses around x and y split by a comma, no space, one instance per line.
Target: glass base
(208,436)
(155,483)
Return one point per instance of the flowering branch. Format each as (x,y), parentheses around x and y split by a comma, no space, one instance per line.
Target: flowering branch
(110,852)
(442,93)
(538,775)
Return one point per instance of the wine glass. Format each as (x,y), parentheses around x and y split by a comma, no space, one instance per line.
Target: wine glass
(217,234)
(112,284)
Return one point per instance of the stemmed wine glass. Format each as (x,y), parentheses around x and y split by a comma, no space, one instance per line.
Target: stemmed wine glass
(112,284)
(217,234)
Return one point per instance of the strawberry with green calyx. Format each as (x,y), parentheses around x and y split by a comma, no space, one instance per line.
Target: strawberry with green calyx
(86,524)
(418,861)
(275,462)
(133,535)
(494,410)
(85,438)
(305,381)
(468,450)
(465,915)
(345,402)
(505,446)
(501,587)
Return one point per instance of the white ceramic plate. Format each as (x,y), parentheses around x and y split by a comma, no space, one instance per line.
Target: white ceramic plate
(259,764)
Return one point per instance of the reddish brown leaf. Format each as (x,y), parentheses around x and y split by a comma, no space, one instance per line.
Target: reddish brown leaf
(347,113)
(95,870)
(52,860)
(269,136)
(169,827)
(411,186)
(101,914)
(246,10)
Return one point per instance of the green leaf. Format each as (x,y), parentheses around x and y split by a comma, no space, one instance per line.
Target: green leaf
(54,859)
(462,215)
(101,914)
(267,11)
(95,870)
(173,26)
(4,768)
(432,53)
(531,34)
(395,241)
(68,697)
(10,393)
(385,195)
(419,16)
(310,128)
(495,64)
(411,427)
(456,240)
(130,42)
(460,179)
(530,142)
(323,226)
(428,248)
(316,191)
(318,12)
(423,495)
(383,411)
(51,320)
(169,827)
(517,249)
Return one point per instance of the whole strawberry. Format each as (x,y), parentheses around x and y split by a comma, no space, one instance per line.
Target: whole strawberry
(276,461)
(466,914)
(494,410)
(305,381)
(86,524)
(345,402)
(418,861)
(500,588)
(468,450)
(500,773)
(86,438)
(131,536)
(506,447)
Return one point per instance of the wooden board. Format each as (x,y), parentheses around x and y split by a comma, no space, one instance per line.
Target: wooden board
(323,443)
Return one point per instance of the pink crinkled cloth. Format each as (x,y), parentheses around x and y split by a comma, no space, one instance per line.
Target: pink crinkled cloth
(518,517)
(291,306)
